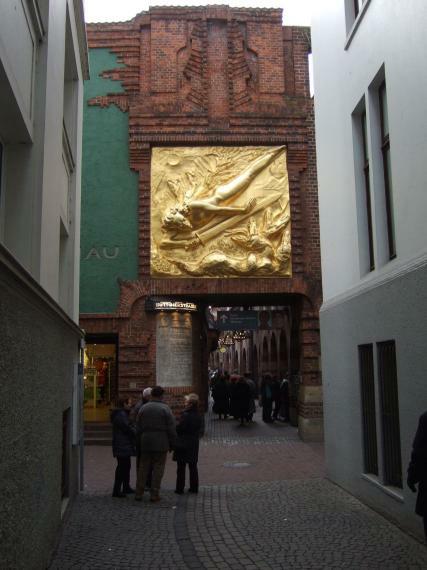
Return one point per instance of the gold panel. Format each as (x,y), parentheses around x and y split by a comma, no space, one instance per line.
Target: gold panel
(220,212)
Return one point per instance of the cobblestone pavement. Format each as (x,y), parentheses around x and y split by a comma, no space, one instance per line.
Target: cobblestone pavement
(260,507)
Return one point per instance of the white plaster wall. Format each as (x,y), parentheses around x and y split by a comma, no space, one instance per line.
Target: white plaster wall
(34,192)
(18,41)
(380,314)
(389,302)
(390,33)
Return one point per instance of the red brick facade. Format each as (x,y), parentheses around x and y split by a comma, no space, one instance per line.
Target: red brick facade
(214,76)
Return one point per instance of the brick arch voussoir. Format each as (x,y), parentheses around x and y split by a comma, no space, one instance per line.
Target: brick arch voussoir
(130,293)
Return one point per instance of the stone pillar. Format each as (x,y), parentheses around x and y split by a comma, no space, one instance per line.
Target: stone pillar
(310,398)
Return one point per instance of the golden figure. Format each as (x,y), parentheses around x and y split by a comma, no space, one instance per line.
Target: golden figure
(219,211)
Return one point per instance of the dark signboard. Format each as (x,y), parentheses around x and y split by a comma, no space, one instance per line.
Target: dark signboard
(252,320)
(237,320)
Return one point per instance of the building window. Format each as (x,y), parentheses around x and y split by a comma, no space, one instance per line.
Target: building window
(385,149)
(357,7)
(1,169)
(367,388)
(389,405)
(66,415)
(367,190)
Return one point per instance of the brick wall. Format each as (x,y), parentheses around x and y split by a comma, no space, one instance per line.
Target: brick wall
(214,76)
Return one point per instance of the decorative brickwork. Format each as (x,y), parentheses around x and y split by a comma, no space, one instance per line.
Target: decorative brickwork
(214,76)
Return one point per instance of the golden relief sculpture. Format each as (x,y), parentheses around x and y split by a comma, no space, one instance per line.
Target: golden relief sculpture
(220,212)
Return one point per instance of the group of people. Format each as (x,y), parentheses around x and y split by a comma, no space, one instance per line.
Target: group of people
(235,396)
(149,431)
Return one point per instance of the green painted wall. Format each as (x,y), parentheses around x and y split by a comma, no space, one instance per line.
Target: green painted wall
(109,232)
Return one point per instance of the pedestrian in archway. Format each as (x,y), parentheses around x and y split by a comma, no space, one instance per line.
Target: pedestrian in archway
(189,431)
(123,447)
(266,397)
(284,400)
(234,405)
(221,397)
(242,394)
(275,386)
(252,388)
(417,470)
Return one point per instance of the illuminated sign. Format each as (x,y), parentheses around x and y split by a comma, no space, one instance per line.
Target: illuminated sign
(181,306)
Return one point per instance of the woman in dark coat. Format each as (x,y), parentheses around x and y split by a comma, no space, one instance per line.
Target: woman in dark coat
(123,448)
(242,394)
(417,470)
(221,397)
(266,397)
(189,431)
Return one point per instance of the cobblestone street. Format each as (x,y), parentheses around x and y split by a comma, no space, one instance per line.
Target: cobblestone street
(263,504)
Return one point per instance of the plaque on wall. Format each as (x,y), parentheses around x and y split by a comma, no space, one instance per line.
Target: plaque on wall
(220,212)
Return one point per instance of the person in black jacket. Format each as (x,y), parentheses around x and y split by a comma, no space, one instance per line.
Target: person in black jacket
(266,397)
(417,470)
(242,394)
(221,398)
(189,430)
(123,447)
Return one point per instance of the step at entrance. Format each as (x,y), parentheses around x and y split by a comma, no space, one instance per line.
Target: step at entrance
(97,433)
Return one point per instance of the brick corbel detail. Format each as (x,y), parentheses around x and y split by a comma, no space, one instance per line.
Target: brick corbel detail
(310,345)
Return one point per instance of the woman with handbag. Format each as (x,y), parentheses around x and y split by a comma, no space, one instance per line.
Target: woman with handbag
(123,447)
(189,430)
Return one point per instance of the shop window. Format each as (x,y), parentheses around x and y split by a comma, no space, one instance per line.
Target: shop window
(100,379)
(369,423)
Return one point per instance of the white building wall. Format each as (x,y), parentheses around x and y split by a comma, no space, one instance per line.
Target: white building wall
(388,303)
(42,53)
(32,113)
(390,33)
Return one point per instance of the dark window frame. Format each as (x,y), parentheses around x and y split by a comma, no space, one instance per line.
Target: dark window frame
(1,167)
(389,405)
(366,166)
(357,7)
(385,151)
(368,399)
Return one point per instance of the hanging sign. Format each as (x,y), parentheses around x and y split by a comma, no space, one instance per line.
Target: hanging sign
(162,305)
(237,320)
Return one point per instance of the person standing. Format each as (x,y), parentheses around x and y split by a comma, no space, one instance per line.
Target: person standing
(266,398)
(123,448)
(145,398)
(189,430)
(156,424)
(284,400)
(417,469)
(221,398)
(234,405)
(275,386)
(252,388)
(242,394)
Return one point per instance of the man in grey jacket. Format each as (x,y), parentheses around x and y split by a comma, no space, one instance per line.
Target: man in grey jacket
(156,425)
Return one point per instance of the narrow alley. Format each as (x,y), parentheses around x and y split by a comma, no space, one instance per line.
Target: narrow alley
(263,503)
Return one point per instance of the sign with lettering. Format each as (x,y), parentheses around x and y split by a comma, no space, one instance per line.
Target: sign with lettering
(237,320)
(162,305)
(102,253)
